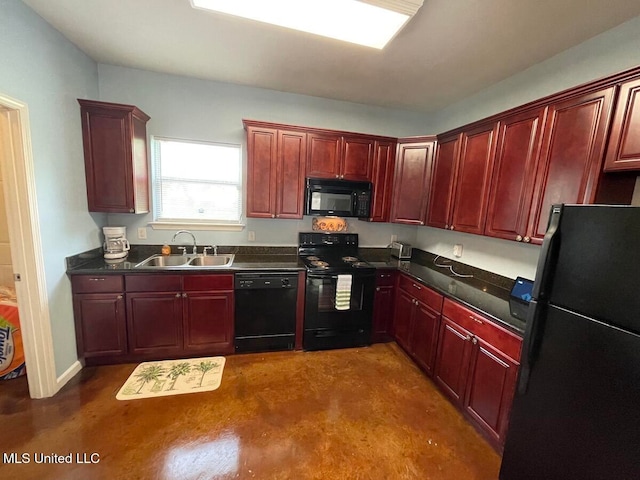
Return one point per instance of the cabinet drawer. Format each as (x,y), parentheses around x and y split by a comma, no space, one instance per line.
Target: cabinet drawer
(208,282)
(385,278)
(97,283)
(422,293)
(153,283)
(505,341)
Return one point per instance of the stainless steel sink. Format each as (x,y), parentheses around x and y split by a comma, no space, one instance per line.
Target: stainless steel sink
(211,261)
(186,261)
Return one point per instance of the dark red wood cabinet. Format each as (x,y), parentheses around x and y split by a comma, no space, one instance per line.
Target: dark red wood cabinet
(516,159)
(412,180)
(417,321)
(476,366)
(441,190)
(382,178)
(275,171)
(99,310)
(623,151)
(115,155)
(570,165)
(144,317)
(338,156)
(383,301)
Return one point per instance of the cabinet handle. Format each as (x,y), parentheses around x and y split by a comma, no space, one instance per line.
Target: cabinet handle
(417,286)
(476,320)
(97,279)
(177,295)
(474,340)
(526,239)
(518,238)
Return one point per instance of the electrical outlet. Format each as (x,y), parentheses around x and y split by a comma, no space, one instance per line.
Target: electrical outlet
(394,238)
(142,233)
(251,236)
(457,250)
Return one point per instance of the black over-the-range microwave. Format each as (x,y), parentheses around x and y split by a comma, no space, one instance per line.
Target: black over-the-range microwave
(342,198)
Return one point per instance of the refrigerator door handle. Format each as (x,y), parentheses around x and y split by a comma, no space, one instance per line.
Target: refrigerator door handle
(530,344)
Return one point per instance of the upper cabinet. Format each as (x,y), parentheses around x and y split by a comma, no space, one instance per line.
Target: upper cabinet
(461,180)
(332,155)
(623,152)
(275,173)
(511,194)
(115,155)
(384,155)
(570,162)
(412,180)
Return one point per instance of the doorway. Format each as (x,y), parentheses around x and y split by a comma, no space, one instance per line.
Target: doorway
(27,263)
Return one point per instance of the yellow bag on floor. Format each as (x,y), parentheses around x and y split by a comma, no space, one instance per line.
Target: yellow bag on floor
(11,350)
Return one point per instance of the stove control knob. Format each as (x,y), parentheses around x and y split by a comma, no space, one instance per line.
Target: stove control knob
(285,282)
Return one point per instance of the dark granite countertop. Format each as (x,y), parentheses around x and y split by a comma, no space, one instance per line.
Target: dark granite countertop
(486,292)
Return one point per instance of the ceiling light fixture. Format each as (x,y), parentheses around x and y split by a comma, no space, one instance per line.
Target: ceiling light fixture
(366,22)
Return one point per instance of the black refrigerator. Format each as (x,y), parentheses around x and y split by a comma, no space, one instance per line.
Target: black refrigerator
(576,410)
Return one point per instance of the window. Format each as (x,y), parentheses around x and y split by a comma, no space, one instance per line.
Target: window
(196,182)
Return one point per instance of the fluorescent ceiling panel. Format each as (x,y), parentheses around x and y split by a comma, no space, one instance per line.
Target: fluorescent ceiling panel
(362,22)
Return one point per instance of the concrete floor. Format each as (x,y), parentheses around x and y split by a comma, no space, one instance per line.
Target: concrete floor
(365,413)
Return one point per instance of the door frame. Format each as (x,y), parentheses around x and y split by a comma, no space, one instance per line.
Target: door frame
(16,162)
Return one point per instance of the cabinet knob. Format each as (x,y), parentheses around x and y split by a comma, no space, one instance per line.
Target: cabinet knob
(476,320)
(184,295)
(273,215)
(446,227)
(377,289)
(277,215)
(131,210)
(337,176)
(341,176)
(474,340)
(417,286)
(526,239)
(451,227)
(467,338)
(177,295)
(119,297)
(518,238)
(421,223)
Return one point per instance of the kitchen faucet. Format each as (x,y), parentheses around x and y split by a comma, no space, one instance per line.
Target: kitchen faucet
(188,233)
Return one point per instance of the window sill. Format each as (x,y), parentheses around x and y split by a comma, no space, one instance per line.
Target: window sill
(224,227)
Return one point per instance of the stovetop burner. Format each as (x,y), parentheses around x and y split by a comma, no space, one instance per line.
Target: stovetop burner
(349,259)
(332,253)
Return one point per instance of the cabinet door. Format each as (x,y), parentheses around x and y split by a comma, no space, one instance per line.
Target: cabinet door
(623,152)
(154,323)
(357,159)
(382,313)
(261,171)
(490,389)
(517,151)
(292,152)
(383,162)
(571,157)
(474,179)
(115,153)
(100,324)
(452,362)
(442,183)
(208,322)
(323,155)
(424,336)
(404,306)
(412,180)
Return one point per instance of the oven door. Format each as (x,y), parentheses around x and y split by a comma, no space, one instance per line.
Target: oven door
(327,327)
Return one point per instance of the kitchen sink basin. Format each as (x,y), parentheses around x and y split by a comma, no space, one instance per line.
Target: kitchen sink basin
(186,261)
(211,261)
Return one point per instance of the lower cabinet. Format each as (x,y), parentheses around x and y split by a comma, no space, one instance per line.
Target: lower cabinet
(417,320)
(142,317)
(383,307)
(476,366)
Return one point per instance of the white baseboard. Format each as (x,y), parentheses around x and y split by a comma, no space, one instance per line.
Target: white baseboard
(71,372)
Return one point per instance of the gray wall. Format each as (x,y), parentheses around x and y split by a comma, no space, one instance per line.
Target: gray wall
(44,70)
(188,108)
(613,51)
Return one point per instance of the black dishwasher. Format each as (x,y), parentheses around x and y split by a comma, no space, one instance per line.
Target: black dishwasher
(265,316)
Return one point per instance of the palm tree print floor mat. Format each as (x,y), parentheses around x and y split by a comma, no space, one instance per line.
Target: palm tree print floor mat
(173,377)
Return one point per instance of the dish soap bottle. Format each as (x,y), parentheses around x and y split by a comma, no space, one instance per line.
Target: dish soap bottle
(166,250)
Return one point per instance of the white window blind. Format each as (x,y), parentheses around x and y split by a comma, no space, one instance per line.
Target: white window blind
(196,182)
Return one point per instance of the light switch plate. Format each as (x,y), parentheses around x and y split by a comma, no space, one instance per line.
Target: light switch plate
(457,250)
(251,236)
(142,233)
